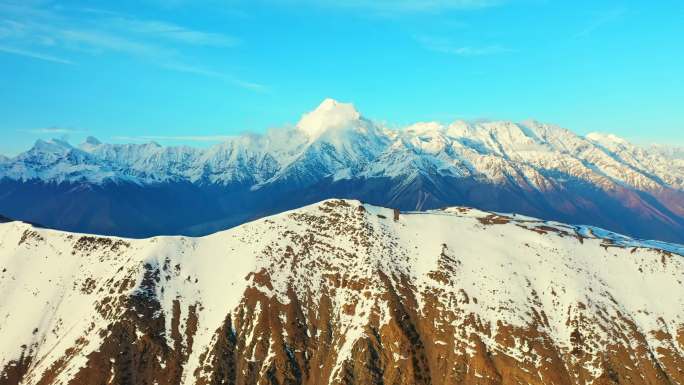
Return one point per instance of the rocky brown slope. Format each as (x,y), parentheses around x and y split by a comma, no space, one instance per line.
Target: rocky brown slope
(343,293)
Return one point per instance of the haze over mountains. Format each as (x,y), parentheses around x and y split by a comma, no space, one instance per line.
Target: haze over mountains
(344,293)
(531,168)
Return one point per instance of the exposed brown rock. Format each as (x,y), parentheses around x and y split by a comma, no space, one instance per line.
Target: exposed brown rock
(15,370)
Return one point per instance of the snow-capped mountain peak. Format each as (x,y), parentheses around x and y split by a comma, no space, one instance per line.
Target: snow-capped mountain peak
(609,141)
(90,144)
(330,115)
(92,140)
(51,146)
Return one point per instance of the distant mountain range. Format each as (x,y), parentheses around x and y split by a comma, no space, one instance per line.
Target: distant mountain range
(343,293)
(531,168)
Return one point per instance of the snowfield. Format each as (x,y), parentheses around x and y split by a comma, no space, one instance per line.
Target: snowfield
(475,279)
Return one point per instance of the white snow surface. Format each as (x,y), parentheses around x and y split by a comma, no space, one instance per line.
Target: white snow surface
(336,140)
(508,267)
(330,115)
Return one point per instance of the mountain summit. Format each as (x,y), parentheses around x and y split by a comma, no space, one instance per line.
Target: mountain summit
(329,115)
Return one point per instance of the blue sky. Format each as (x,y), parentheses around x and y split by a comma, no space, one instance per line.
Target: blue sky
(192,72)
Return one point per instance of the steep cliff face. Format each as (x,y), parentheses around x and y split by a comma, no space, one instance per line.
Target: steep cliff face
(343,293)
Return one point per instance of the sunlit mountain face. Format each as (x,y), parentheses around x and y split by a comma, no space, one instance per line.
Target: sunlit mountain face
(182,201)
(341,292)
(531,168)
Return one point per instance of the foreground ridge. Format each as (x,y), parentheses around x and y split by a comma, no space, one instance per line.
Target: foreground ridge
(344,293)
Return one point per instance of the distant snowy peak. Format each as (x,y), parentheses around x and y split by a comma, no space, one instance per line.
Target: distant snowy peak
(51,146)
(670,152)
(499,137)
(607,140)
(91,143)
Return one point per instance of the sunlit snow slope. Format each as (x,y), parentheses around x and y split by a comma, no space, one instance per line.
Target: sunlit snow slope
(343,293)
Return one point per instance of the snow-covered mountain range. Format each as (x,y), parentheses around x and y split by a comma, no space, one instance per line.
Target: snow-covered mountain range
(333,151)
(339,142)
(344,293)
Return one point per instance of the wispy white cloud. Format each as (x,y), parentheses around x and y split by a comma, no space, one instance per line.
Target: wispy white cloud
(30,30)
(402,6)
(448,47)
(180,138)
(52,131)
(377,7)
(173,32)
(95,41)
(34,55)
(601,20)
(180,67)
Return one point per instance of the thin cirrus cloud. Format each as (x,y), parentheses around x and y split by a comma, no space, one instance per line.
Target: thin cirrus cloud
(180,67)
(373,6)
(58,34)
(180,138)
(34,55)
(401,6)
(600,21)
(446,46)
(173,32)
(97,42)
(52,131)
